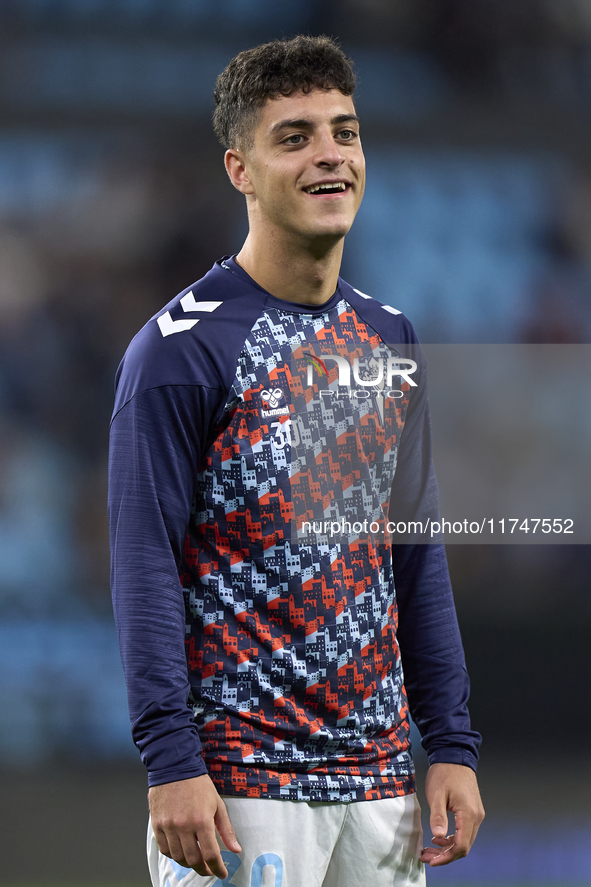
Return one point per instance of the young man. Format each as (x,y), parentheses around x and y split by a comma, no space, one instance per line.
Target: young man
(263,646)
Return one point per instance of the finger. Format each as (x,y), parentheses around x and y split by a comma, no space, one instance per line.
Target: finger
(441,842)
(162,842)
(467,825)
(178,852)
(438,819)
(454,847)
(186,851)
(435,856)
(226,829)
(477,822)
(463,836)
(211,853)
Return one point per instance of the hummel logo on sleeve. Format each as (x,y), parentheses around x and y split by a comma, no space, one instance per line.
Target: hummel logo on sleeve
(168,326)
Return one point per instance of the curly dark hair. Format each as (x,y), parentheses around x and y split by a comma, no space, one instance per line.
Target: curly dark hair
(275,69)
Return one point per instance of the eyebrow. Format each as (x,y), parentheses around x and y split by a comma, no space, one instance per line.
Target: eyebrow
(303,123)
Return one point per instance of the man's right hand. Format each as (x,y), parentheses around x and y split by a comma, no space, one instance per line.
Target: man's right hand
(185,817)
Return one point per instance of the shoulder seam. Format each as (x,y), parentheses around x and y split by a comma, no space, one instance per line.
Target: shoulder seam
(165,385)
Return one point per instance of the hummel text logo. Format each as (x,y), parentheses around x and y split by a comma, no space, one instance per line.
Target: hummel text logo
(273,397)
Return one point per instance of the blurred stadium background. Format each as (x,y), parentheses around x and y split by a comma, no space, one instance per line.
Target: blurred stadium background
(477,223)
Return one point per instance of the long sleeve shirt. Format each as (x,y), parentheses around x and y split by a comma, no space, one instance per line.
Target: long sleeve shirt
(273,630)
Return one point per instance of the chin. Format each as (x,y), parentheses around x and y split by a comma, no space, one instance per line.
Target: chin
(336,230)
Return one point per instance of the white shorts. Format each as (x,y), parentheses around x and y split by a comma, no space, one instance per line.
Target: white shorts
(312,844)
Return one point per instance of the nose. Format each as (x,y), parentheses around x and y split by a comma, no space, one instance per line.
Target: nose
(329,152)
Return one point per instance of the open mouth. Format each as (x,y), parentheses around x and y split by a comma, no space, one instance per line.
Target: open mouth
(326,188)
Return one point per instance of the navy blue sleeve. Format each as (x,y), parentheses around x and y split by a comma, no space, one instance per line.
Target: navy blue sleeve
(431,649)
(156,446)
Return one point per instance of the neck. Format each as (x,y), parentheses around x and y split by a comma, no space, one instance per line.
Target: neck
(308,273)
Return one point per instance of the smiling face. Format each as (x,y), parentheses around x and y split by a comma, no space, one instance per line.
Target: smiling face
(304,175)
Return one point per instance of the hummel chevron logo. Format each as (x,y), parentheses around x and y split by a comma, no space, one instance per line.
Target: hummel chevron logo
(189,304)
(168,326)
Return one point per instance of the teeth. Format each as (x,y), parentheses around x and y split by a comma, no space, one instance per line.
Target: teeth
(327,186)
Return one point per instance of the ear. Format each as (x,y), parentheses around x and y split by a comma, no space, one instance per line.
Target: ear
(236,167)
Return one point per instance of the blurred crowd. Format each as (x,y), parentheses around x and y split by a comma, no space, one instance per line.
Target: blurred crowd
(77,280)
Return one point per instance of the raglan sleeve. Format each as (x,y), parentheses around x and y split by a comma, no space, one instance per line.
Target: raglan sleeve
(157,442)
(431,650)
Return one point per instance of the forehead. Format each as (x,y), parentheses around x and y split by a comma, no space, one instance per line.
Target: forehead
(318,106)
